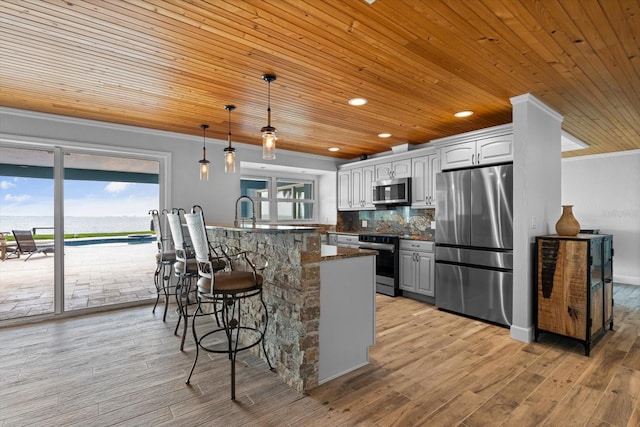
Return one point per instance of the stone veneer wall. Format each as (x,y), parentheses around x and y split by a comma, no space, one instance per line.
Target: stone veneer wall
(292,294)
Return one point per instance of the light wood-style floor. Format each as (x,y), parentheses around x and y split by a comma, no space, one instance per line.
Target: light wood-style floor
(427,368)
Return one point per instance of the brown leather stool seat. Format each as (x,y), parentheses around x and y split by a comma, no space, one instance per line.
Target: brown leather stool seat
(231,282)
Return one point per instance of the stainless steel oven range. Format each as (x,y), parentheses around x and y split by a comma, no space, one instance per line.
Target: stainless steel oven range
(387,261)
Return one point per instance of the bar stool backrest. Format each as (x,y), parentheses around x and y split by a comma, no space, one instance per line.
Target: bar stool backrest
(178,236)
(162,239)
(198,234)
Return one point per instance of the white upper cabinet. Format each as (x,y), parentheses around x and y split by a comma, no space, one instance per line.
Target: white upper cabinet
(484,151)
(482,147)
(495,150)
(344,190)
(393,170)
(355,189)
(367,187)
(423,180)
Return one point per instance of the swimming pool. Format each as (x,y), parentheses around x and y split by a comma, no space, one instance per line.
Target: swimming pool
(133,239)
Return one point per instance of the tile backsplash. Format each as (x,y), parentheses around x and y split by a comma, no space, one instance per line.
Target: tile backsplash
(400,220)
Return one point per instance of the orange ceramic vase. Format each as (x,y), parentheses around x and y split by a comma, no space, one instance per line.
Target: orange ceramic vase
(567,225)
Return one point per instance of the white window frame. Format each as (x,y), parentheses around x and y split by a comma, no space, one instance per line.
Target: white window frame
(273,200)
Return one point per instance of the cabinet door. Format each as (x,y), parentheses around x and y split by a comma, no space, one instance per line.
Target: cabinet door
(434,168)
(393,170)
(420,182)
(563,287)
(401,168)
(344,190)
(607,268)
(596,281)
(383,171)
(367,186)
(357,201)
(457,155)
(407,271)
(426,268)
(494,150)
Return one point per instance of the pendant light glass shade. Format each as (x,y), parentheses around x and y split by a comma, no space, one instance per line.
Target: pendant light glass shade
(269,143)
(204,163)
(229,151)
(230,160)
(269,132)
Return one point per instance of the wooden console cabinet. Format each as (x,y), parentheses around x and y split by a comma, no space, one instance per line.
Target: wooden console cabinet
(574,295)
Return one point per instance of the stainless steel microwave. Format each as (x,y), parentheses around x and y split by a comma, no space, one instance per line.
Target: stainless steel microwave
(392,192)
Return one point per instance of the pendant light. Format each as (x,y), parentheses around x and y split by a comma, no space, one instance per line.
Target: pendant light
(204,163)
(229,152)
(269,132)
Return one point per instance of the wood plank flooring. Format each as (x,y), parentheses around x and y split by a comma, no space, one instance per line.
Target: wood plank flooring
(427,368)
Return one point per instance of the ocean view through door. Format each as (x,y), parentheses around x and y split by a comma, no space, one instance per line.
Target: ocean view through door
(26,192)
(106,205)
(94,210)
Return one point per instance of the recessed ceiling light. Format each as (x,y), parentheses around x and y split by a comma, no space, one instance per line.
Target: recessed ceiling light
(384,135)
(463,113)
(333,149)
(357,101)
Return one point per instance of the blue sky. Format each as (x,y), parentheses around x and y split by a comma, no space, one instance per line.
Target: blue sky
(34,196)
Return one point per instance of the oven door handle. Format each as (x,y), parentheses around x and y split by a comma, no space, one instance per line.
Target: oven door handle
(376,246)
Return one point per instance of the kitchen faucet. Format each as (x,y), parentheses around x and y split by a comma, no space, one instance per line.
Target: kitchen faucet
(236,223)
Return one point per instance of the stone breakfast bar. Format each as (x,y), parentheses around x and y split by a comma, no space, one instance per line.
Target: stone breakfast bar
(320,299)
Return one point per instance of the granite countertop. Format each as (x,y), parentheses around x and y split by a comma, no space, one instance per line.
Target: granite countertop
(265,228)
(422,237)
(330,252)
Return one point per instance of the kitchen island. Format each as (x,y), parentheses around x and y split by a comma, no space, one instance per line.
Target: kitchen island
(320,299)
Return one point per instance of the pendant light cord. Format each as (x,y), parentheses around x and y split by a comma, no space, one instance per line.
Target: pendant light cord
(229,135)
(268,103)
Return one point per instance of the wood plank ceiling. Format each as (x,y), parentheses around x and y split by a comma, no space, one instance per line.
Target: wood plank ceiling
(173,65)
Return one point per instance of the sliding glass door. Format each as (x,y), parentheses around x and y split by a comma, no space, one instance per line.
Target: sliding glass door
(109,246)
(26,211)
(94,209)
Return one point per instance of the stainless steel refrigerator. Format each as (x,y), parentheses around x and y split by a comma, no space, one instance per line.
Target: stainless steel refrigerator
(474,242)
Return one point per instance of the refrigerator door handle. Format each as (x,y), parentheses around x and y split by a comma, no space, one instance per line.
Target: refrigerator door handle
(502,306)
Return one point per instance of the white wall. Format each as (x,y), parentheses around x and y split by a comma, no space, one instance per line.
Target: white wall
(536,198)
(216,196)
(605,193)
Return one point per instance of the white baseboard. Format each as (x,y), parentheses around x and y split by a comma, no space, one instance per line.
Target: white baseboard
(522,334)
(627,280)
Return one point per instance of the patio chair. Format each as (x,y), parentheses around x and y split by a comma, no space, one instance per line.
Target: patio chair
(27,245)
(7,251)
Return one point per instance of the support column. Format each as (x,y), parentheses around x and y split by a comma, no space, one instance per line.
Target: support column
(536,198)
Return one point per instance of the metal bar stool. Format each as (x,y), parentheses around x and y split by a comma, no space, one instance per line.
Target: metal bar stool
(165,258)
(186,270)
(230,289)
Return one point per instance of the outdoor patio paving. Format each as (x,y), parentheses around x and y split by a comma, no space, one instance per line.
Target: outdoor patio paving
(95,275)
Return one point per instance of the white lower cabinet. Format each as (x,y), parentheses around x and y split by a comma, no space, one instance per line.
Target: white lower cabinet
(417,267)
